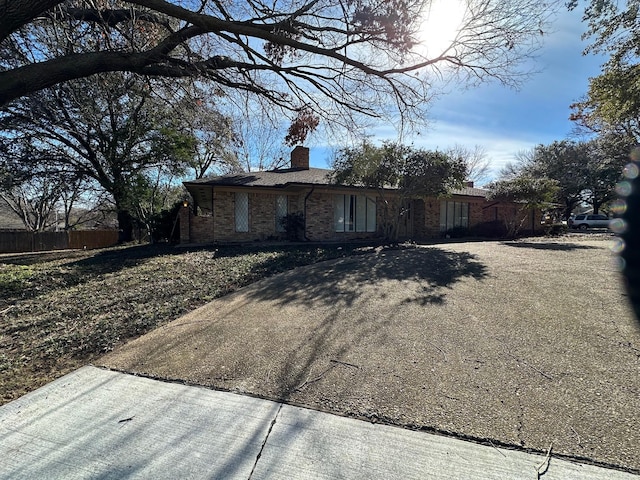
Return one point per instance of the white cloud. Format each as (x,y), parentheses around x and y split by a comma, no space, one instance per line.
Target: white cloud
(500,148)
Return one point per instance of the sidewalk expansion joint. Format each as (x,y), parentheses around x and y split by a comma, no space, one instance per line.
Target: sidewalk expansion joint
(266,438)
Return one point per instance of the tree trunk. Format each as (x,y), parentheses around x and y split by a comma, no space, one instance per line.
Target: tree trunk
(125,226)
(569,205)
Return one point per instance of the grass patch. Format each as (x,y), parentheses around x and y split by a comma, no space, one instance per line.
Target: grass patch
(14,278)
(60,311)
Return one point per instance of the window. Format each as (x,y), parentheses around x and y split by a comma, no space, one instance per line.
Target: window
(242,211)
(282,209)
(354,213)
(454,214)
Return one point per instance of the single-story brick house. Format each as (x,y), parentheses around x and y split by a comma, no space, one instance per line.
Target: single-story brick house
(248,207)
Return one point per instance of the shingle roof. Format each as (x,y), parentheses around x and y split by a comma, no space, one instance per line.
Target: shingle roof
(293,176)
(270,178)
(471,192)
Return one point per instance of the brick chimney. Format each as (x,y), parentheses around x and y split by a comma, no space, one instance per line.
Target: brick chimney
(300,158)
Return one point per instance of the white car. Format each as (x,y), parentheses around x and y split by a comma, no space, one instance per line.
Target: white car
(589,220)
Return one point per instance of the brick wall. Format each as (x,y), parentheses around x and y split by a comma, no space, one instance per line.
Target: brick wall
(476,214)
(223,215)
(262,217)
(185,220)
(320,217)
(419,218)
(428,224)
(222,225)
(431,227)
(194,229)
(201,229)
(300,157)
(505,212)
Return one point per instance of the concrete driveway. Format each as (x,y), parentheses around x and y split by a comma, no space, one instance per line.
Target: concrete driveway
(524,345)
(100,424)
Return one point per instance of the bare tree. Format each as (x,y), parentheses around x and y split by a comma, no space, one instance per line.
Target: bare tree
(260,143)
(523,159)
(331,56)
(87,205)
(476,160)
(35,199)
(213,132)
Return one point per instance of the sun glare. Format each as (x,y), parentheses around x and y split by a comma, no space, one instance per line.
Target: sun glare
(442,20)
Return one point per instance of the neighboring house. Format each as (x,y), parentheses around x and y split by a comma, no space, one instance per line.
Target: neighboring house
(249,206)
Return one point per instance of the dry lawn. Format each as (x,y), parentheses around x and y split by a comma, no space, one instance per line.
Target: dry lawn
(61,310)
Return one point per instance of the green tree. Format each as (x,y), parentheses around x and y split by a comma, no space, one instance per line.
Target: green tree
(529,192)
(408,172)
(111,130)
(566,162)
(585,172)
(603,170)
(613,28)
(612,104)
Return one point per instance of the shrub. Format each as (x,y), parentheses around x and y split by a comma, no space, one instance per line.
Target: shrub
(164,225)
(555,229)
(293,224)
(493,229)
(457,232)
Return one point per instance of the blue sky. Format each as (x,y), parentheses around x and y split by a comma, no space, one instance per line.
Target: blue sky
(503,121)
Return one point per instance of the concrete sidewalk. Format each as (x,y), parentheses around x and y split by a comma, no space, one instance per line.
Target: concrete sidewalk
(96,423)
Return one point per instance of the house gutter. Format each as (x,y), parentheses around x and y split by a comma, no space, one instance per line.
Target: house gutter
(491,205)
(305,212)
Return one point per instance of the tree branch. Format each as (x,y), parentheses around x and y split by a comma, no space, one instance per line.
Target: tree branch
(110,17)
(14,15)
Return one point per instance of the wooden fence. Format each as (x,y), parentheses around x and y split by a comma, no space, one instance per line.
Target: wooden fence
(20,241)
(92,238)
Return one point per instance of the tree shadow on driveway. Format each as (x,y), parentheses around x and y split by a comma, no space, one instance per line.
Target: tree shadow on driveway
(342,306)
(367,337)
(561,247)
(279,336)
(431,270)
